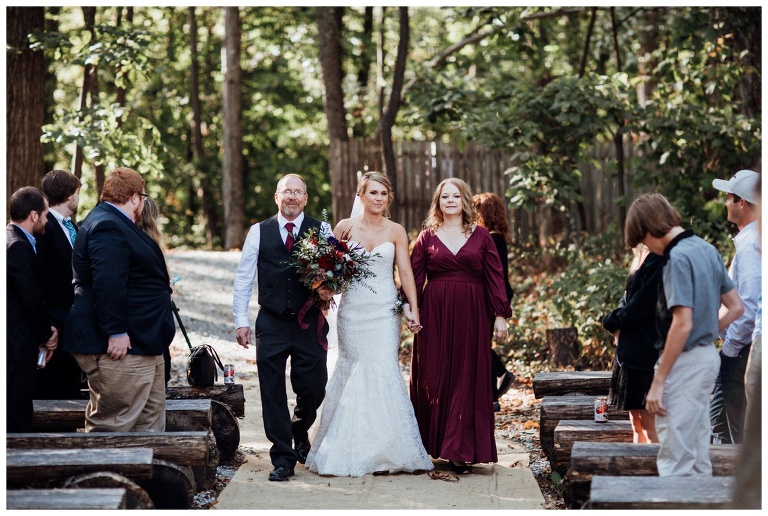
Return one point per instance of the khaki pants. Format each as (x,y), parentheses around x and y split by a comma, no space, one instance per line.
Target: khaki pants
(684,432)
(127,395)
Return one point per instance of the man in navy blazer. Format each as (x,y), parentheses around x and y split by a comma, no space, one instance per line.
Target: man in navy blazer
(121,318)
(28,328)
(61,378)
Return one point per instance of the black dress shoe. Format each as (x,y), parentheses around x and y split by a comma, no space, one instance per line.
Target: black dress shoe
(281,474)
(496,406)
(302,450)
(506,383)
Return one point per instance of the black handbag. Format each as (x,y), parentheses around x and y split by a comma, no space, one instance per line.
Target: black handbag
(202,366)
(202,360)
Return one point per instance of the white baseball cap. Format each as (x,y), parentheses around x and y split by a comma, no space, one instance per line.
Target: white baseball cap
(743,184)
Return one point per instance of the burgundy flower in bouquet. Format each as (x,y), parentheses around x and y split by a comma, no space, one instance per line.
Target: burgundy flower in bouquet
(324,260)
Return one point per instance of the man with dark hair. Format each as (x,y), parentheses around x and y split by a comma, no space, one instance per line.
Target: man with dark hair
(694,285)
(61,378)
(729,402)
(121,318)
(29,328)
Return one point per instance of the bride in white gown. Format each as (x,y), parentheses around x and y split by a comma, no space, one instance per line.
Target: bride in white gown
(367,423)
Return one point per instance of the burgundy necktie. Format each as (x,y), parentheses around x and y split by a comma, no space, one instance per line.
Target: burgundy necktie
(289,239)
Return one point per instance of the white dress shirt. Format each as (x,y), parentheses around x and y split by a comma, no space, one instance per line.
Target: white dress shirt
(60,219)
(247,271)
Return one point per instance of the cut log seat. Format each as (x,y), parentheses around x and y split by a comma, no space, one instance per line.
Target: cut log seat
(184,448)
(610,492)
(69,415)
(230,395)
(589,459)
(28,466)
(106,499)
(571,382)
(570,406)
(569,431)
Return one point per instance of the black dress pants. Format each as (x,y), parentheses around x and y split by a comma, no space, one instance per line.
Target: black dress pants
(278,338)
(20,389)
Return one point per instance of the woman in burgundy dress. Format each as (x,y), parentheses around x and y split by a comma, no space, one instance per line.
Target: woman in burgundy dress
(462,304)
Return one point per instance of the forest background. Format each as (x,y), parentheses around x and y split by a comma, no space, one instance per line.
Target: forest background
(213,104)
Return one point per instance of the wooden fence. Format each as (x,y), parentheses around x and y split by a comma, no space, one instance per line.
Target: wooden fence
(422,165)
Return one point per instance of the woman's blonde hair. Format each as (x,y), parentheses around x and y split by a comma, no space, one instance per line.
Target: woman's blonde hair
(362,187)
(468,216)
(148,222)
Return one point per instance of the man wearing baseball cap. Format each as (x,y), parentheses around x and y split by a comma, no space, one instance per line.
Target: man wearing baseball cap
(729,402)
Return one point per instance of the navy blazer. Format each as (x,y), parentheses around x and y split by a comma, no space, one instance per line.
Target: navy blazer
(121,286)
(55,254)
(28,326)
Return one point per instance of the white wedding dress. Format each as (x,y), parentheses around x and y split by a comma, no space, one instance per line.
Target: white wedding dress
(367,423)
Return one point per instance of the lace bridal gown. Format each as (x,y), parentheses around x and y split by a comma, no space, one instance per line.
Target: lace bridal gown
(367,422)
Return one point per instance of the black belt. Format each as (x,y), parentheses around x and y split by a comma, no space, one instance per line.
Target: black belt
(287,313)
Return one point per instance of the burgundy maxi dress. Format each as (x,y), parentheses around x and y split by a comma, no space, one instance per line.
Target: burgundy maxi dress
(450,367)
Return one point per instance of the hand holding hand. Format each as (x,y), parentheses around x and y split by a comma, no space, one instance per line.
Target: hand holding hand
(118,347)
(411,318)
(243,335)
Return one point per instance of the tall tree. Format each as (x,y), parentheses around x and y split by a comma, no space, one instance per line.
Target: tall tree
(89,75)
(25,99)
(329,43)
(388,118)
(232,184)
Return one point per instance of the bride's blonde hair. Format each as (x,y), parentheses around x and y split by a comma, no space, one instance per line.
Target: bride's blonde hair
(362,187)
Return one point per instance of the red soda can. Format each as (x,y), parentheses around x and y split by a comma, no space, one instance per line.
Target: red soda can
(601,409)
(229,373)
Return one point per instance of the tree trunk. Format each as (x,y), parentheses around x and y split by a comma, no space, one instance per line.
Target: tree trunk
(330,50)
(121,92)
(25,100)
(618,143)
(89,18)
(232,181)
(363,74)
(588,37)
(198,151)
(388,119)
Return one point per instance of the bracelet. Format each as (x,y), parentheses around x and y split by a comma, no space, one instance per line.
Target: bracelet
(406,304)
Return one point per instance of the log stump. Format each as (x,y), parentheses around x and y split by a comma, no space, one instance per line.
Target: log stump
(226,429)
(563,346)
(171,487)
(136,496)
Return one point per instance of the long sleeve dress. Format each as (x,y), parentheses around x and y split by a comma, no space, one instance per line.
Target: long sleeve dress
(450,386)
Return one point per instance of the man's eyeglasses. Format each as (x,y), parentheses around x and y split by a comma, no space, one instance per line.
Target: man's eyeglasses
(292,193)
(143,195)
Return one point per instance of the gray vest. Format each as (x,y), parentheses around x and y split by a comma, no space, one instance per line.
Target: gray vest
(279,285)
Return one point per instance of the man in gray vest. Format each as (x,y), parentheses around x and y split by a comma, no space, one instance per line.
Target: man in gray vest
(278,333)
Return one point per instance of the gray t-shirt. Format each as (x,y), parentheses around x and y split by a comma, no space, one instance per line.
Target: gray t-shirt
(695,277)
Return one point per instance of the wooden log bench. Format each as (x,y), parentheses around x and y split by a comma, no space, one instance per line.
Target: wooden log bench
(106,499)
(180,415)
(644,492)
(568,407)
(568,431)
(184,448)
(69,415)
(23,467)
(230,395)
(557,383)
(173,482)
(589,459)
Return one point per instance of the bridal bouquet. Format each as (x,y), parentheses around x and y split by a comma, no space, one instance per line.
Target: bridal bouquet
(322,259)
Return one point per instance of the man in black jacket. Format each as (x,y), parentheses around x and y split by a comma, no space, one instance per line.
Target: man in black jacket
(61,378)
(121,319)
(28,326)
